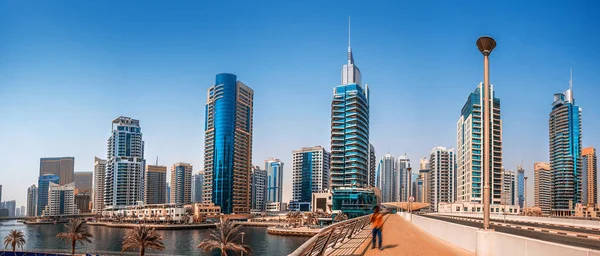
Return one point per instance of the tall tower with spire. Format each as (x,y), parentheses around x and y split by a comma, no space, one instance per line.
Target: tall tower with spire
(565,152)
(350,148)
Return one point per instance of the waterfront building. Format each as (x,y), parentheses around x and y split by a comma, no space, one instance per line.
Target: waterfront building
(565,153)
(203,210)
(155,191)
(310,173)
(168,193)
(141,211)
(543,187)
(386,170)
(276,207)
(521,185)
(18,212)
(274,168)
(259,189)
(125,165)
(82,201)
(22,211)
(372,166)
(11,206)
(470,146)
(83,181)
(321,201)
(63,167)
(61,200)
(402,179)
(32,197)
(99,176)
(470,207)
(442,171)
(228,144)
(43,187)
(510,194)
(590,177)
(181,183)
(587,211)
(197,183)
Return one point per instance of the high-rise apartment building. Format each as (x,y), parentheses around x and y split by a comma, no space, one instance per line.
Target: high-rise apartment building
(61,200)
(22,210)
(228,144)
(168,193)
(63,167)
(442,164)
(181,183)
(11,206)
(590,176)
(543,187)
(510,194)
(372,166)
(565,153)
(99,179)
(423,181)
(197,184)
(43,187)
(274,168)
(386,177)
(402,178)
(32,197)
(155,191)
(521,185)
(310,172)
(259,189)
(124,182)
(470,178)
(83,182)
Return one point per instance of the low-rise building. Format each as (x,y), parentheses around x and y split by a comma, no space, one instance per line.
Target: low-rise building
(587,211)
(321,202)
(149,212)
(276,207)
(470,207)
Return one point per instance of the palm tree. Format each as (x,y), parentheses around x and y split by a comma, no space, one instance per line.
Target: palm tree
(340,217)
(142,237)
(76,232)
(223,239)
(15,238)
(311,218)
(293,218)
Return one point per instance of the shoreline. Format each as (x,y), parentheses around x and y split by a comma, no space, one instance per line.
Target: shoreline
(293,232)
(177,226)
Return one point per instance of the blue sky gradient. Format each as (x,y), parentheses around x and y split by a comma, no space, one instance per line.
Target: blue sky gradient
(68,68)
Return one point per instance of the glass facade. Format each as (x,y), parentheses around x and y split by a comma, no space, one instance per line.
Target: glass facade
(354,202)
(228,144)
(274,169)
(43,186)
(521,185)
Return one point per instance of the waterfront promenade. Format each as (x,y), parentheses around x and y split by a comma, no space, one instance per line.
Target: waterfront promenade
(400,237)
(177,226)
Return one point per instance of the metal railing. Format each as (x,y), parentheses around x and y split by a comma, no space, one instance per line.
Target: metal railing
(331,236)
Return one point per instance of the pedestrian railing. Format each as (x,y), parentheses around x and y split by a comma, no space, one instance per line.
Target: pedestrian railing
(331,236)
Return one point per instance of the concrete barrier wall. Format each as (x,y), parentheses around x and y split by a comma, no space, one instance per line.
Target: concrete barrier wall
(497,244)
(559,221)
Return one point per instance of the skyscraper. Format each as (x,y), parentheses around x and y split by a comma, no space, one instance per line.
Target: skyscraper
(543,187)
(442,171)
(168,193)
(43,186)
(22,210)
(155,185)
(274,168)
(63,167)
(61,200)
(11,206)
(386,170)
(372,166)
(83,181)
(32,197)
(469,150)
(310,172)
(181,183)
(565,153)
(510,194)
(259,189)
(228,144)
(402,179)
(590,176)
(521,185)
(197,183)
(124,182)
(99,179)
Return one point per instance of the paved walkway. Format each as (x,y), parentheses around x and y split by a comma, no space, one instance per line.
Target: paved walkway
(399,238)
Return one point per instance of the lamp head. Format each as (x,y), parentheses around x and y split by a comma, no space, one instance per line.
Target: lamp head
(486,45)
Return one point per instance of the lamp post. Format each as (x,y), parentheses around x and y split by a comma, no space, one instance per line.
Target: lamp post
(486,44)
(242,233)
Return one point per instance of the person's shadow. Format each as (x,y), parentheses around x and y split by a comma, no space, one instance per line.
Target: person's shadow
(389,246)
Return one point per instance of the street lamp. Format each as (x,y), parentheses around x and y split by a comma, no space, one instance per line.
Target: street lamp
(486,44)
(242,233)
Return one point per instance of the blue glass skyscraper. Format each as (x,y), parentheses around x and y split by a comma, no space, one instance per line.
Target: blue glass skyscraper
(521,185)
(43,186)
(565,153)
(228,144)
(274,169)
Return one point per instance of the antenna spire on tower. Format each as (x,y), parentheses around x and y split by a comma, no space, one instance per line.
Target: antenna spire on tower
(571,78)
(348,31)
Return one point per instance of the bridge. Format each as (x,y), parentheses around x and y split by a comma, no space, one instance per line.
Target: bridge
(441,234)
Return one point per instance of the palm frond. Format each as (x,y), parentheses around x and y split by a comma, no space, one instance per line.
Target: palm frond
(208,245)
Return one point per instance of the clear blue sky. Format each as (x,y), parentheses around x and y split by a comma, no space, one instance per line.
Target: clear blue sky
(68,68)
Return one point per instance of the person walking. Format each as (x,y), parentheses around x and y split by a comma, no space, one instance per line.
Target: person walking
(377,224)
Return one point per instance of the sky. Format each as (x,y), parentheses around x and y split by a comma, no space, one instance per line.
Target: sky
(68,68)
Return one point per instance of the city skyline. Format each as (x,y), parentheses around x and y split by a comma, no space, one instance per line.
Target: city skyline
(396,75)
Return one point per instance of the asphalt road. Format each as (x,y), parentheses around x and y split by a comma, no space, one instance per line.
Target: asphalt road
(545,226)
(559,239)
